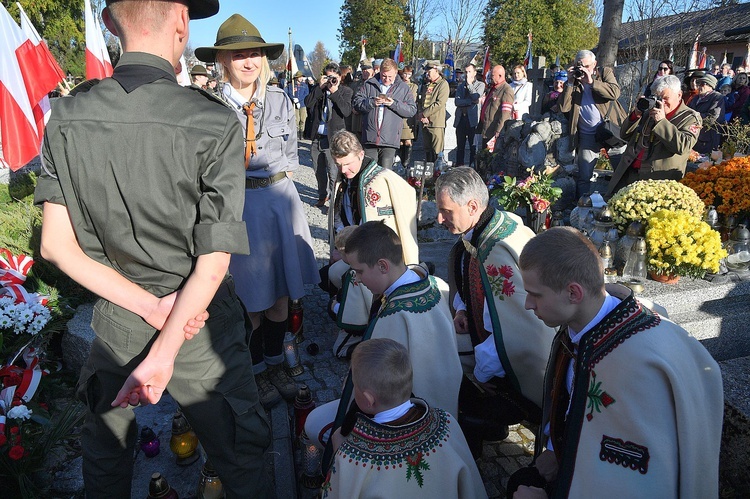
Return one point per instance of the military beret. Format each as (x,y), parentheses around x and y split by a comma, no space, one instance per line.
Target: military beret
(198,9)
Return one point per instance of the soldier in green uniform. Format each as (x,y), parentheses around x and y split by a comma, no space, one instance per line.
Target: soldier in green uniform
(142,196)
(433,98)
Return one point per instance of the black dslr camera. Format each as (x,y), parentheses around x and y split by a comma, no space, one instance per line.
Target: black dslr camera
(577,72)
(646,104)
(332,80)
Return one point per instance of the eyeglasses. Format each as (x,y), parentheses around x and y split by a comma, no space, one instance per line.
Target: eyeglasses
(663,68)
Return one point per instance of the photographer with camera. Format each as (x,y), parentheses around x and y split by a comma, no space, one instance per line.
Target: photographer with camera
(328,103)
(661,131)
(589,95)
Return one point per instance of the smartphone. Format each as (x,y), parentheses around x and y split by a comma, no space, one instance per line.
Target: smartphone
(382,96)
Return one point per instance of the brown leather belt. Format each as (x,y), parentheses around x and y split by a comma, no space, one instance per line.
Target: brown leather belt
(257,183)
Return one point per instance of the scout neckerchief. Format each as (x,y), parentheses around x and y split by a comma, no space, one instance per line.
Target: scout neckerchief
(251,148)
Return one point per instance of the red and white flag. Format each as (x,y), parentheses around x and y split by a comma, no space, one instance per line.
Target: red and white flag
(98,64)
(702,59)
(362,55)
(486,64)
(25,79)
(44,63)
(398,55)
(693,55)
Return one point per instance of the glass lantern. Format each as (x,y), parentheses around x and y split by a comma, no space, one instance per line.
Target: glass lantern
(635,230)
(578,215)
(184,442)
(209,486)
(738,249)
(312,477)
(291,355)
(604,229)
(635,271)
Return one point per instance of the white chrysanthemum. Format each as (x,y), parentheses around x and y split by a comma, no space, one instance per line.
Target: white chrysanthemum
(5,322)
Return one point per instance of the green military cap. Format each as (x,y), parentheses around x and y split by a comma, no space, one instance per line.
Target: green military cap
(238,33)
(198,9)
(298,74)
(199,70)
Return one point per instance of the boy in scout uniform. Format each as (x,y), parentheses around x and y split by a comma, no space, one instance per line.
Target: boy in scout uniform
(142,205)
(433,98)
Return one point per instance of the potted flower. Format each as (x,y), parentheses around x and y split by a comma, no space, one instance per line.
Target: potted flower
(535,194)
(726,186)
(639,200)
(681,244)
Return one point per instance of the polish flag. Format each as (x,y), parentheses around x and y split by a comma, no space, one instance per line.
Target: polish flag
(486,64)
(23,84)
(98,64)
(43,62)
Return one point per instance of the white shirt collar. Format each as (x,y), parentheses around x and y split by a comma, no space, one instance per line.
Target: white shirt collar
(393,414)
(407,277)
(610,302)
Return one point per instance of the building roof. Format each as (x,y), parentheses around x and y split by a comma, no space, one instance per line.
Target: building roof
(682,28)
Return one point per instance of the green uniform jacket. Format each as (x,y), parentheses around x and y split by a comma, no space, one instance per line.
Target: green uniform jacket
(147,198)
(671,141)
(432,101)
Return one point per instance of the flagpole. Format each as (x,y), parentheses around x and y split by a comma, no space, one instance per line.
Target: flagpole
(291,76)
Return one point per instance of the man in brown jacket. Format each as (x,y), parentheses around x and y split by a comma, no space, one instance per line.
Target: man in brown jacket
(660,140)
(433,97)
(588,94)
(497,107)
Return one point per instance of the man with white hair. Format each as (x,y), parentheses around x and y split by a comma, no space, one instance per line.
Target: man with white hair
(511,346)
(590,93)
(659,139)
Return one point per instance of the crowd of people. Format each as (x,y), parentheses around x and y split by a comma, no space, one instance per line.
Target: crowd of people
(191,231)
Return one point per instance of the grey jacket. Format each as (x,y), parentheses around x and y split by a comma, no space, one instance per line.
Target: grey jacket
(388,134)
(467,102)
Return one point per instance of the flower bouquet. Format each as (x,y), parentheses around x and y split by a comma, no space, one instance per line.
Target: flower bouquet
(602,162)
(640,200)
(726,186)
(682,244)
(29,427)
(535,194)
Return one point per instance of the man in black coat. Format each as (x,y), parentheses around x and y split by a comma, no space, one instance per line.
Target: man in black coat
(328,104)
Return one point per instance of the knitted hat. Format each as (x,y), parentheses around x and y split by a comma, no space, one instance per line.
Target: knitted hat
(709,80)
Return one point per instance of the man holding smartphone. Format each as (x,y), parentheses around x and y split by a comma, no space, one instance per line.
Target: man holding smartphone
(383,102)
(329,103)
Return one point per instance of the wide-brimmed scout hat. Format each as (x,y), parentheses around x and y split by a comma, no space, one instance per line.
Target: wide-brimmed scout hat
(298,74)
(238,33)
(432,64)
(199,70)
(197,9)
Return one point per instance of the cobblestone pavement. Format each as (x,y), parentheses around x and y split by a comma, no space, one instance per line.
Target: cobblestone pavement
(324,373)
